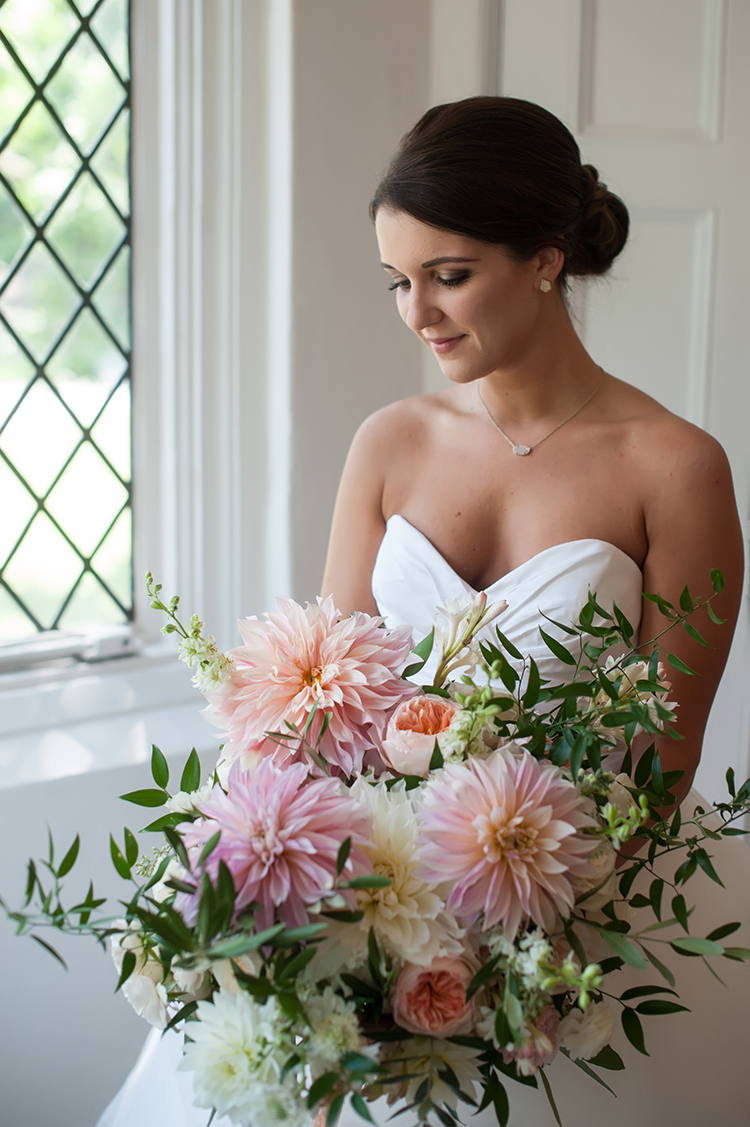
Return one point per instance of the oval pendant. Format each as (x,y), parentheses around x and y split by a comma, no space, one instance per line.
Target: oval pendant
(521,450)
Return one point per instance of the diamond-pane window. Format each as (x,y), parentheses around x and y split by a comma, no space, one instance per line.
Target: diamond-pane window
(66,527)
(16,91)
(15,232)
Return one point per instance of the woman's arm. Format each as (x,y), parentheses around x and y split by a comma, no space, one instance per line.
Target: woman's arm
(358,522)
(692,526)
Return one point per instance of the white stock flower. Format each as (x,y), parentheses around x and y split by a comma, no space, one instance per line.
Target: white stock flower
(189,802)
(530,959)
(148,998)
(213,666)
(409,916)
(192,983)
(143,989)
(628,677)
(599,887)
(128,938)
(619,796)
(469,733)
(585,1033)
(232,1053)
(534,952)
(496,941)
(161,891)
(223,970)
(335,1031)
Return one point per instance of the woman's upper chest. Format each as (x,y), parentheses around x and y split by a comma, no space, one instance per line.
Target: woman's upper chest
(487,510)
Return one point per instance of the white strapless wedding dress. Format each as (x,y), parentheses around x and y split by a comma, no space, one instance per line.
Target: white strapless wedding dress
(696,1071)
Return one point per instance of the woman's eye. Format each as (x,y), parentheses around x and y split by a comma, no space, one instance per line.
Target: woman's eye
(454,280)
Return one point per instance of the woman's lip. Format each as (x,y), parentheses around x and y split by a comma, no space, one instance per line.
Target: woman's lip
(443,344)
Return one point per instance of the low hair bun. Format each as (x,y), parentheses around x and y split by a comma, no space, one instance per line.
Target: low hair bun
(602,229)
(505,171)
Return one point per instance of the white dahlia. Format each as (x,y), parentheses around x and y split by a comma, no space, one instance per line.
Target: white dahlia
(234,1047)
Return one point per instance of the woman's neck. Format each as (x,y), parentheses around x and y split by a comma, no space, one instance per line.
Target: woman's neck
(554,375)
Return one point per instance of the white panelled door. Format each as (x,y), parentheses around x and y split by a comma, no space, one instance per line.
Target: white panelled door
(657,93)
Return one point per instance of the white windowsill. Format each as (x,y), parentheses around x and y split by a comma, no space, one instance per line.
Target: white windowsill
(53,647)
(68,720)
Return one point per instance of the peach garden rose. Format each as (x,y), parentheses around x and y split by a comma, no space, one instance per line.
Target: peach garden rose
(409,739)
(432,999)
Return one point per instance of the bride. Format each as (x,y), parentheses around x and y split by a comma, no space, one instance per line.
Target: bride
(534,476)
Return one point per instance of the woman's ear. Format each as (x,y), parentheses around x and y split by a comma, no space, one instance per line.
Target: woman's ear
(548,263)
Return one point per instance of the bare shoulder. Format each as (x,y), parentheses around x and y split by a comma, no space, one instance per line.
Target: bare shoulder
(402,428)
(671,452)
(683,479)
(388,443)
(406,418)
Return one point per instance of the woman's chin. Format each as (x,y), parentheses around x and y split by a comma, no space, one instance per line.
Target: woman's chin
(459,372)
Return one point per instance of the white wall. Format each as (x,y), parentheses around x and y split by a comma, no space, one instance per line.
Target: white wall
(361,75)
(66,1041)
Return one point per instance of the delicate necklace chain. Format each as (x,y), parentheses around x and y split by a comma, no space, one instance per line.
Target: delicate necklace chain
(520,448)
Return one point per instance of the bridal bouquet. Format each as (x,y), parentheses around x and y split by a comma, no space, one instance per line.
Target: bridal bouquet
(384,889)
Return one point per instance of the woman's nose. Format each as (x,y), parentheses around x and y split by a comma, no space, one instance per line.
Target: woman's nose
(420,311)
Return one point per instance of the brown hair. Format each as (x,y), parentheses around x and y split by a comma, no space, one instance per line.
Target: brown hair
(502,170)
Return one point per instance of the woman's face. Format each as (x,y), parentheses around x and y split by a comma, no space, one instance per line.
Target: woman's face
(469,301)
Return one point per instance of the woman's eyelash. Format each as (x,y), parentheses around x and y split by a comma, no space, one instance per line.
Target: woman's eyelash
(454,281)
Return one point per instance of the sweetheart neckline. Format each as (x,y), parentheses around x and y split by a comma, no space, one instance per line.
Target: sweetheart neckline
(519,567)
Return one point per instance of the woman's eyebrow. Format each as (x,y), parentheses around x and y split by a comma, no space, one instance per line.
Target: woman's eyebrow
(434,262)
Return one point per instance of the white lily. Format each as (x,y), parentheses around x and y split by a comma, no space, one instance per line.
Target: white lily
(465,620)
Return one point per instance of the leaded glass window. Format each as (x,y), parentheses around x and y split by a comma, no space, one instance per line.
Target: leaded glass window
(65,513)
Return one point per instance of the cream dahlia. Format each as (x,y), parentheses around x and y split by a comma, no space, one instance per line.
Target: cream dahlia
(408,916)
(280,837)
(307,656)
(506,830)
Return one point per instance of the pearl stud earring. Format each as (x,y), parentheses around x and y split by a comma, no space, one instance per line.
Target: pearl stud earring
(545,285)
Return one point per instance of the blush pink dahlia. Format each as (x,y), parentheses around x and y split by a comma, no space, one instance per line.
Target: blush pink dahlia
(306,656)
(506,831)
(280,837)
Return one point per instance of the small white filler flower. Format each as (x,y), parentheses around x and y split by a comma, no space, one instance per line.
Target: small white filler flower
(335,1031)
